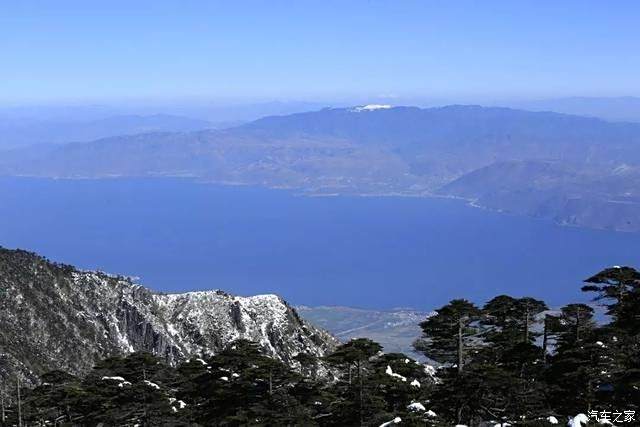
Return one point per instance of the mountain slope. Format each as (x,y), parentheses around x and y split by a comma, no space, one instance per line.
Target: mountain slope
(53,316)
(403,148)
(564,193)
(373,150)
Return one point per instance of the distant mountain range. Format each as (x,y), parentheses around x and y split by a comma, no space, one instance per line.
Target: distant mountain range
(561,167)
(21,132)
(618,109)
(54,316)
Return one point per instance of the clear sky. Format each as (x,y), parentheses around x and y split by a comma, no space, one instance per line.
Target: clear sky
(66,50)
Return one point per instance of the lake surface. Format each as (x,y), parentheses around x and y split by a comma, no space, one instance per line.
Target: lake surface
(378,252)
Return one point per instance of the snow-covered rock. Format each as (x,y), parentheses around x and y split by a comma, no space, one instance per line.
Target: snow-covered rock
(64,318)
(552,420)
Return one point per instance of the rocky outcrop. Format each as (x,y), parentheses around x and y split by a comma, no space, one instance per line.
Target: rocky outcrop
(54,316)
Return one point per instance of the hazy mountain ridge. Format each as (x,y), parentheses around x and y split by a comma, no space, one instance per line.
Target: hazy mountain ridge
(621,109)
(56,317)
(17,132)
(450,151)
(564,193)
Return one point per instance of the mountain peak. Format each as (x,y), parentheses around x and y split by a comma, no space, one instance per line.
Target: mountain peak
(54,316)
(370,107)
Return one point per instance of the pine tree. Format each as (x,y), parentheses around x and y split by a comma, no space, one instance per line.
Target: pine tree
(576,325)
(400,381)
(356,355)
(509,321)
(618,288)
(529,309)
(450,333)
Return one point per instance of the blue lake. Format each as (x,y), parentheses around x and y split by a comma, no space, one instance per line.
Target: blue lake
(382,252)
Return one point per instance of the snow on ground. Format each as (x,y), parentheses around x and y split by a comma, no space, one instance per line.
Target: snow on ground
(390,372)
(152,385)
(580,420)
(370,107)
(121,381)
(416,406)
(396,420)
(113,379)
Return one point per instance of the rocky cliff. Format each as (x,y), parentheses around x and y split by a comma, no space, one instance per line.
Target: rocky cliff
(53,316)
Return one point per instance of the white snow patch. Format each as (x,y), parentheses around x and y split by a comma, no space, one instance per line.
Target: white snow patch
(390,372)
(370,107)
(430,370)
(552,420)
(224,378)
(152,385)
(580,420)
(121,381)
(415,383)
(416,406)
(396,420)
(113,379)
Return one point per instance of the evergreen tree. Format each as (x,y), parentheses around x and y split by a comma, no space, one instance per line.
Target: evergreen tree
(500,317)
(241,385)
(450,333)
(509,366)
(529,309)
(354,359)
(54,399)
(509,321)
(400,382)
(618,288)
(575,325)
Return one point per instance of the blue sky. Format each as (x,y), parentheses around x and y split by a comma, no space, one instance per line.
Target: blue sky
(317,50)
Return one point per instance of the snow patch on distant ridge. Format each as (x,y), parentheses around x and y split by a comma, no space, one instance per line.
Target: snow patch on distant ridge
(370,107)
